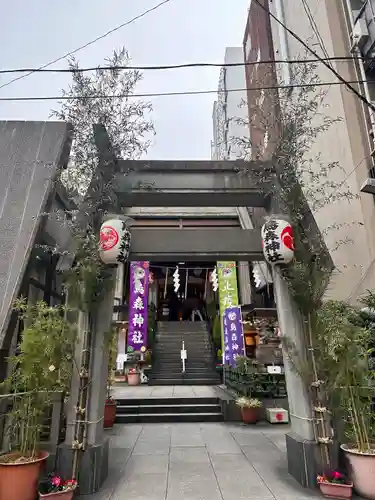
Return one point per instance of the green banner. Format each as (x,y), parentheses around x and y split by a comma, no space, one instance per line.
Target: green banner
(228,290)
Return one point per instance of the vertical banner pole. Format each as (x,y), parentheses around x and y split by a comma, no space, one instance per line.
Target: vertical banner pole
(186,282)
(166,282)
(183,357)
(205,286)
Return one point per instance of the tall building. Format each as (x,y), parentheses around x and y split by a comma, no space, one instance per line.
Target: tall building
(229,111)
(332,28)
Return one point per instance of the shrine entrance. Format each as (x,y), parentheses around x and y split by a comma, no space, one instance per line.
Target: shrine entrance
(176,302)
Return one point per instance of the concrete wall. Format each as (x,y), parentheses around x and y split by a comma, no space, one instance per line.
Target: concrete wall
(30,155)
(344,142)
(258,46)
(226,127)
(235,102)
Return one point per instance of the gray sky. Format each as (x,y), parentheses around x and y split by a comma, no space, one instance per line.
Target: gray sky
(33,33)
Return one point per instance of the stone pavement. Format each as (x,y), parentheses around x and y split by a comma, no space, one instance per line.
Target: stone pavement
(164,391)
(208,461)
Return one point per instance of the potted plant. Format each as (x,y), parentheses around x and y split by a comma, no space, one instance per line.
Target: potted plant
(110,407)
(42,366)
(134,377)
(345,335)
(54,487)
(249,409)
(334,484)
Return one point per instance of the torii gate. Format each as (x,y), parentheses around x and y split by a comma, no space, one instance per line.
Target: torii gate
(197,184)
(154,184)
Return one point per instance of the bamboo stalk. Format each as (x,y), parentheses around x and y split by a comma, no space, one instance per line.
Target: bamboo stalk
(320,418)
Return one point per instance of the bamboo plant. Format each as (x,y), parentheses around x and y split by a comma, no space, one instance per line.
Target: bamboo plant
(344,339)
(42,366)
(112,356)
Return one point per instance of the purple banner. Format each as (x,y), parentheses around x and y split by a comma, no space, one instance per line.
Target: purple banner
(138,306)
(233,335)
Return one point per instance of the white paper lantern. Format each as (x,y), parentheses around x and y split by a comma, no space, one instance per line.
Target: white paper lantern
(115,238)
(278,242)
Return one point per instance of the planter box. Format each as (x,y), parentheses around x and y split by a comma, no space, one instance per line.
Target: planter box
(59,495)
(336,491)
(109,415)
(277,416)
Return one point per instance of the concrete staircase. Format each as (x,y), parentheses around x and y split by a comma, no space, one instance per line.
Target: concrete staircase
(164,410)
(167,365)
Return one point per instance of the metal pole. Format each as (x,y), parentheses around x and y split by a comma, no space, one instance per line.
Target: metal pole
(183,357)
(186,282)
(205,285)
(166,282)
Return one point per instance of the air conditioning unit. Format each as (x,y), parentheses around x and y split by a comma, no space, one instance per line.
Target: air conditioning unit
(360,33)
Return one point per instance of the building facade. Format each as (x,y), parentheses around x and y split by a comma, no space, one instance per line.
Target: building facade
(326,26)
(229,116)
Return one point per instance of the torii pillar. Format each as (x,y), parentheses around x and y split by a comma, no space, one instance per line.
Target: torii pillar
(300,441)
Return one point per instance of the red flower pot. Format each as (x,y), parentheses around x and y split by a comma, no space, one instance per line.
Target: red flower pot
(134,378)
(19,481)
(109,415)
(337,491)
(59,495)
(250,415)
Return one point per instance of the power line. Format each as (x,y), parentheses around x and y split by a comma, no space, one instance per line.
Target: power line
(171,94)
(31,71)
(315,28)
(315,54)
(337,188)
(179,66)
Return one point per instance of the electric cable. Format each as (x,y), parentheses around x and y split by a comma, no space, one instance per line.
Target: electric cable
(171,94)
(330,195)
(320,40)
(180,66)
(139,16)
(315,28)
(315,54)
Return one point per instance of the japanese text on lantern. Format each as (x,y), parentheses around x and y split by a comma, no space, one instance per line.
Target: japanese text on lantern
(138,306)
(278,242)
(271,242)
(233,335)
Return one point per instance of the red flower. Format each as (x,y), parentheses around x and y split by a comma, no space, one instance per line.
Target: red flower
(70,483)
(279,417)
(56,481)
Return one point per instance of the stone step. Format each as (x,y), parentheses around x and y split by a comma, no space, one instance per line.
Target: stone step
(172,409)
(154,401)
(167,409)
(195,375)
(169,418)
(182,324)
(201,372)
(180,338)
(175,381)
(178,366)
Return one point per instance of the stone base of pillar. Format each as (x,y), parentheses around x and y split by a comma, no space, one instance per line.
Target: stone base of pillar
(303,460)
(93,469)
